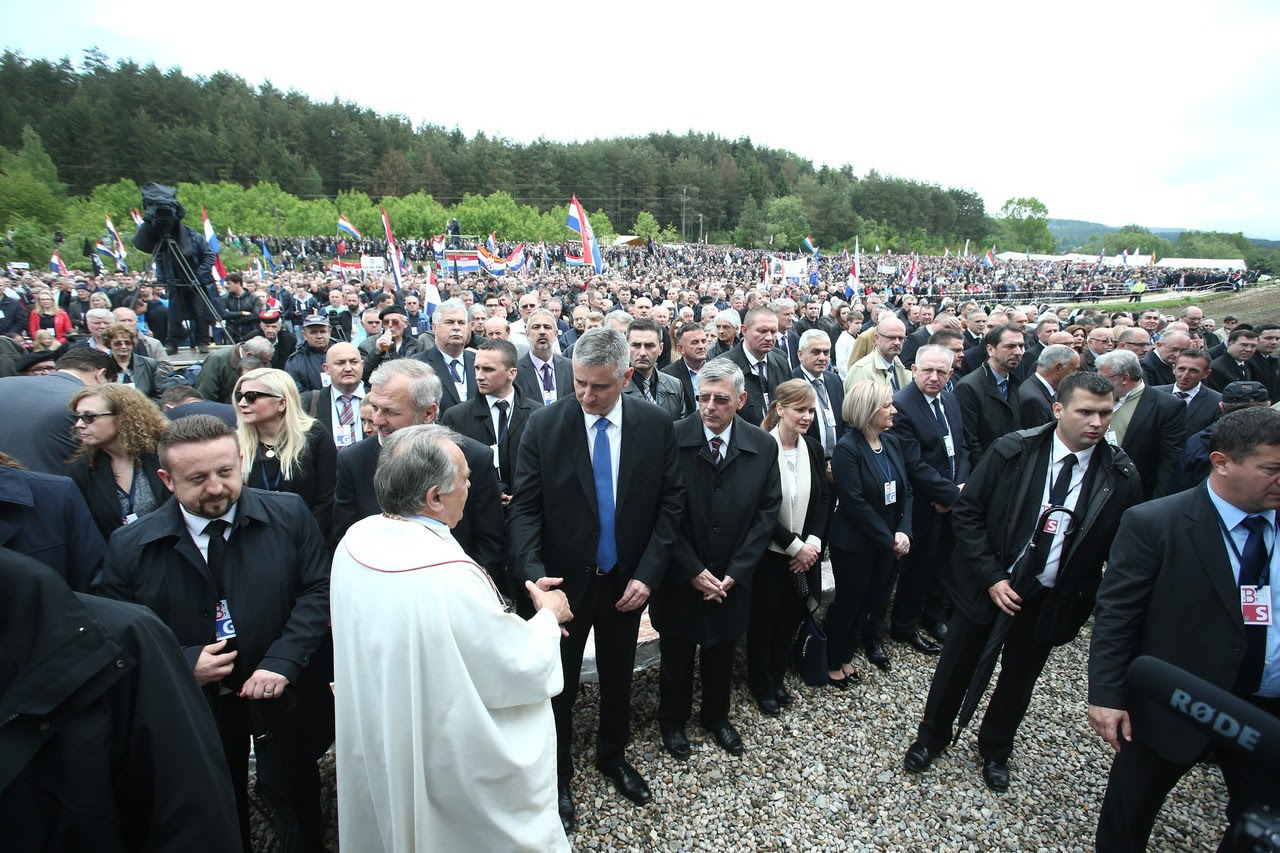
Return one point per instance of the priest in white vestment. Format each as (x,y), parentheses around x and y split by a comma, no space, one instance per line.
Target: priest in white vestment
(445,736)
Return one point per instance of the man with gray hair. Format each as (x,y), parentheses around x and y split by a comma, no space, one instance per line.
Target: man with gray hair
(405,590)
(1151,427)
(452,362)
(540,373)
(221,370)
(405,392)
(1037,394)
(727,325)
(149,345)
(598,495)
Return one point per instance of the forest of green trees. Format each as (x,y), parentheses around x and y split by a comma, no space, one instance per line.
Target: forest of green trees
(77,141)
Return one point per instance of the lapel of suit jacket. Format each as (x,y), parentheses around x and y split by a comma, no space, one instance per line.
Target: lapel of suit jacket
(1205,530)
(174,526)
(564,377)
(574,430)
(992,390)
(480,411)
(441,366)
(1143,413)
(629,453)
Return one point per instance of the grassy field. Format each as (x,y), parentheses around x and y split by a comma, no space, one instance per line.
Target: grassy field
(1255,305)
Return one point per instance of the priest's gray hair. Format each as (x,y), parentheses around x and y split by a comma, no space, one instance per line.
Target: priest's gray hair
(424,385)
(602,348)
(413,460)
(722,370)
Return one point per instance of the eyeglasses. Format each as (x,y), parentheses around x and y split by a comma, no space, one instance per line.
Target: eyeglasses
(718,399)
(254,396)
(122,343)
(90,417)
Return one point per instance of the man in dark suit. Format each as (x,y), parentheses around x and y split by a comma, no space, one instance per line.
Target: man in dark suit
(691,343)
(609,466)
(1234,364)
(788,336)
(733,495)
(1266,361)
(1174,589)
(1099,341)
(763,369)
(541,375)
(453,363)
(920,337)
(975,355)
(647,382)
(45,517)
(1036,395)
(987,396)
(815,361)
(339,403)
(1067,464)
(1157,365)
(1189,372)
(1150,426)
(405,392)
(930,419)
(37,432)
(222,562)
(975,328)
(497,415)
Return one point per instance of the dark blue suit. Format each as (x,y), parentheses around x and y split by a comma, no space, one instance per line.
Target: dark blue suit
(45,517)
(835,395)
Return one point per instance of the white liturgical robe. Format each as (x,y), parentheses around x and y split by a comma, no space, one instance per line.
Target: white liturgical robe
(445,737)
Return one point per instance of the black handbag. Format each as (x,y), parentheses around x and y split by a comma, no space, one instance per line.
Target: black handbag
(809,653)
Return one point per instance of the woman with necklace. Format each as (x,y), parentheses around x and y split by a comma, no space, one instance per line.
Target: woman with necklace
(47,315)
(789,577)
(872,525)
(115,467)
(141,371)
(282,449)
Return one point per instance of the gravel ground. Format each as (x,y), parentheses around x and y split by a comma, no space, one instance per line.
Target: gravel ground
(827,775)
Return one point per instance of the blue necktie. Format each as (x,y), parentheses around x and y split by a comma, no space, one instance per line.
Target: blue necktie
(1253,561)
(602,467)
(453,370)
(1003,386)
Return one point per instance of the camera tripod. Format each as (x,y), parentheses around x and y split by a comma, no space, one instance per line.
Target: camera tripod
(189,280)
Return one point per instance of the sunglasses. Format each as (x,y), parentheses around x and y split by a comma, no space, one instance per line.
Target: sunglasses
(90,417)
(254,396)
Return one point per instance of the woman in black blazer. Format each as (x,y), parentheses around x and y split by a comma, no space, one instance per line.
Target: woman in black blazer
(795,549)
(872,524)
(115,467)
(282,448)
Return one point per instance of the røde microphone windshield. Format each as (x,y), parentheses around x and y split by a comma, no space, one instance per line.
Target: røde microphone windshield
(1230,722)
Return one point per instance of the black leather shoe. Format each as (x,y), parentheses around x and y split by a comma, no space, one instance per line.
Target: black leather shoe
(875,654)
(996,775)
(918,758)
(782,697)
(629,783)
(919,642)
(727,736)
(937,630)
(675,741)
(840,683)
(564,803)
(768,705)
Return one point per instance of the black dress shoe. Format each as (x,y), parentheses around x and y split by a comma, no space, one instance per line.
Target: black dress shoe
(919,642)
(782,697)
(996,775)
(875,654)
(937,630)
(840,683)
(768,705)
(629,783)
(727,736)
(564,803)
(675,741)
(918,758)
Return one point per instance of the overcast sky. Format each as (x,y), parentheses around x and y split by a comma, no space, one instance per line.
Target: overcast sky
(1165,114)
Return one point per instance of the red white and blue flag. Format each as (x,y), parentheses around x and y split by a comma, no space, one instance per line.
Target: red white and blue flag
(56,264)
(136,216)
(809,245)
(211,237)
(852,285)
(120,253)
(577,221)
(346,226)
(430,292)
(393,252)
(515,260)
(460,263)
(437,244)
(913,273)
(492,243)
(489,262)
(989,260)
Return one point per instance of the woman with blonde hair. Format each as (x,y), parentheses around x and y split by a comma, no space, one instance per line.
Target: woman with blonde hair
(872,525)
(115,467)
(789,576)
(47,315)
(282,448)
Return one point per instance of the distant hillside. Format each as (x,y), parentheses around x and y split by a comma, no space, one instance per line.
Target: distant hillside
(1074,233)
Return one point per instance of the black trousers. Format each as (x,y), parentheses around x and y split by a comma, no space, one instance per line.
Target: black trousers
(1020,665)
(776,612)
(861,579)
(186,304)
(920,592)
(675,680)
(615,659)
(1140,780)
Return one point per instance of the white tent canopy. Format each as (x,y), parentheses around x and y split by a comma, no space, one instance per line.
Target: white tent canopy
(1133,261)
(1204,263)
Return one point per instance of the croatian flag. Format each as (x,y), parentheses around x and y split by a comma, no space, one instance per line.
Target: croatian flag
(460,263)
(266,254)
(431,292)
(258,270)
(490,263)
(392,250)
(808,244)
(437,245)
(115,235)
(913,273)
(105,251)
(56,264)
(813,269)
(844,257)
(852,285)
(344,225)
(492,244)
(578,221)
(136,216)
(515,260)
(989,260)
(211,237)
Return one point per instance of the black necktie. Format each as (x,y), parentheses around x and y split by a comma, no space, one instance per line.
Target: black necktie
(764,376)
(1253,561)
(1057,495)
(217,552)
(1182,395)
(946,431)
(501,406)
(716,443)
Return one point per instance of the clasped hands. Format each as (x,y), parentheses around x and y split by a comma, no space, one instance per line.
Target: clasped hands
(214,665)
(711,587)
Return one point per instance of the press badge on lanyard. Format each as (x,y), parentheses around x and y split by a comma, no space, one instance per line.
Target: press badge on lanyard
(1255,605)
(891,492)
(223,627)
(344,435)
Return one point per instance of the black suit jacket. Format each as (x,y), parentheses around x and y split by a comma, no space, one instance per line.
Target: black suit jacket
(1155,371)
(915,424)
(482,532)
(1035,406)
(98,485)
(1204,409)
(730,513)
(435,359)
(791,348)
(44,516)
(473,420)
(862,521)
(1267,371)
(529,383)
(835,395)
(1227,370)
(555,485)
(1168,571)
(778,370)
(680,371)
(987,415)
(974,358)
(912,344)
(314,475)
(1154,439)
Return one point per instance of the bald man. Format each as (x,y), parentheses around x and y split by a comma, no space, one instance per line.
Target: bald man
(337,405)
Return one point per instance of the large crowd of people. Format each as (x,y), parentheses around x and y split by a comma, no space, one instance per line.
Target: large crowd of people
(390,518)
